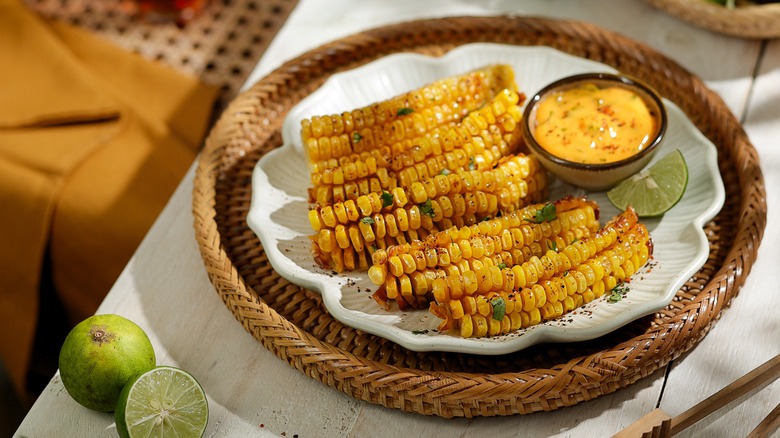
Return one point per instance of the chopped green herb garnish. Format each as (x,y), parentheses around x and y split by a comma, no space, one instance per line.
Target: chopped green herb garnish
(472,164)
(426,208)
(374,247)
(545,214)
(387,199)
(445,172)
(616,294)
(404,111)
(367,220)
(502,265)
(499,308)
(356,137)
(420,332)
(552,245)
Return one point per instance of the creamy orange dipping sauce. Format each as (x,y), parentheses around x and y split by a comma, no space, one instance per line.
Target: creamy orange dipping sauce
(593,125)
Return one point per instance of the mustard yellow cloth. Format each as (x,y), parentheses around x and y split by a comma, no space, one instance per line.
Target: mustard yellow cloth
(93,141)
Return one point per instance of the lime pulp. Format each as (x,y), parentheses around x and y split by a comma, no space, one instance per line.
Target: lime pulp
(165,401)
(654,190)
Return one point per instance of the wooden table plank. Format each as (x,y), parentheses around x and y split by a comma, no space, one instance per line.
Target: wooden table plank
(748,333)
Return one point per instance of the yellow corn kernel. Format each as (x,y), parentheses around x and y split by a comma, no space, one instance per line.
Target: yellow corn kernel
(466,326)
(456,309)
(390,225)
(419,283)
(399,197)
(377,273)
(440,290)
(455,286)
(405,286)
(326,240)
(355,238)
(480,325)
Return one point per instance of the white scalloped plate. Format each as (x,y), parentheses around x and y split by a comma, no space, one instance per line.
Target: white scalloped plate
(279,205)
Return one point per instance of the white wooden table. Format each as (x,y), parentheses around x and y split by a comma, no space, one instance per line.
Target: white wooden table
(253,393)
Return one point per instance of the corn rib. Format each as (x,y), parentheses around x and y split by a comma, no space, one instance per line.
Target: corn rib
(479,249)
(405,116)
(588,268)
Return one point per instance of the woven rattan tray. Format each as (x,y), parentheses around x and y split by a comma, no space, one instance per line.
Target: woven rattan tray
(747,21)
(293,324)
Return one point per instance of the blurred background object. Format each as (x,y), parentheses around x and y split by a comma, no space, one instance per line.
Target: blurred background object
(178,11)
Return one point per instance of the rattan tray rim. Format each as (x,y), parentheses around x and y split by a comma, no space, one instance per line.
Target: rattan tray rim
(449,393)
(755,21)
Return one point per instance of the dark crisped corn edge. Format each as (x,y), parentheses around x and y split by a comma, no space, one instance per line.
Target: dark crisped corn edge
(627,246)
(405,116)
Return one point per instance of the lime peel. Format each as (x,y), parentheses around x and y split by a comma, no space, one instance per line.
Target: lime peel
(99,356)
(654,190)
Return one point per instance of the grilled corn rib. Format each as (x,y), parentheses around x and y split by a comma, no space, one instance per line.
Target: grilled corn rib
(408,273)
(375,221)
(587,269)
(477,142)
(405,116)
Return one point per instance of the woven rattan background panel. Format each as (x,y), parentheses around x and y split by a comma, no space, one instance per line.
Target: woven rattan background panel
(221,46)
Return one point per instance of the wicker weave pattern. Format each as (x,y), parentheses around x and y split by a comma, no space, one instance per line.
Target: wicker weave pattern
(753,21)
(292,322)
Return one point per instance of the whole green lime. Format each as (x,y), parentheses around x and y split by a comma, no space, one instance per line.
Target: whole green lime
(99,356)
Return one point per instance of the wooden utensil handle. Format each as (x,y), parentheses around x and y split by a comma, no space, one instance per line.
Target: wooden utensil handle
(758,378)
(768,425)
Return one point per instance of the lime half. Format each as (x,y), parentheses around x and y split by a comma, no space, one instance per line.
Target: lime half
(654,190)
(164,401)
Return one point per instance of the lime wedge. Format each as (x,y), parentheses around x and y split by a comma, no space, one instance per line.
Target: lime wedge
(164,401)
(653,190)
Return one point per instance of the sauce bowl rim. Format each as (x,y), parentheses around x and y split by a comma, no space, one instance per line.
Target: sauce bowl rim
(647,93)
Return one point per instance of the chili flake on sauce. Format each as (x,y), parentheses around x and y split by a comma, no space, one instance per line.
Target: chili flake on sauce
(594,125)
